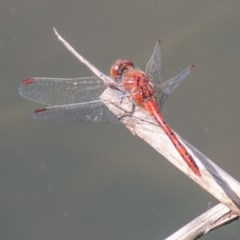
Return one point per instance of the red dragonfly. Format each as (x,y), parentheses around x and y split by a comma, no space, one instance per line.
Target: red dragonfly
(78,98)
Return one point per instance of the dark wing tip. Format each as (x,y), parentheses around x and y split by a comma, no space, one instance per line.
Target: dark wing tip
(22,89)
(40,110)
(27,81)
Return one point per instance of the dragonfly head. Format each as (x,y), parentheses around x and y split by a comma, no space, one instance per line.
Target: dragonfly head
(119,66)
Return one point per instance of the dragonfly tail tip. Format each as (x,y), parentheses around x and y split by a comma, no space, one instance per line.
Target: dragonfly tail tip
(192,67)
(159,41)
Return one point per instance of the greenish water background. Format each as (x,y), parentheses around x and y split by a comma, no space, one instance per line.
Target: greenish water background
(97,181)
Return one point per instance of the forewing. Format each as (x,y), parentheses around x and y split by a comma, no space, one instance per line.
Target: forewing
(60,91)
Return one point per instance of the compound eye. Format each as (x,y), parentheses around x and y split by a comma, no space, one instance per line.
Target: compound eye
(119,67)
(114,71)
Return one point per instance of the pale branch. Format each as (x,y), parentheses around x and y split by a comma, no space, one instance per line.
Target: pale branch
(214,218)
(213,179)
(83,60)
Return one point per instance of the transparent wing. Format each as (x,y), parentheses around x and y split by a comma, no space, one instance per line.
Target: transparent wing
(169,86)
(60,91)
(93,111)
(154,66)
(154,72)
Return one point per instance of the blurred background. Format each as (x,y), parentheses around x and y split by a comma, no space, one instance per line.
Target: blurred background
(78,180)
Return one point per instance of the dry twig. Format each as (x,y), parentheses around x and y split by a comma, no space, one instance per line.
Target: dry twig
(213,179)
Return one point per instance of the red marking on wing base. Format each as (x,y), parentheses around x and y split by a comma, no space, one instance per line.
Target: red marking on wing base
(40,110)
(28,81)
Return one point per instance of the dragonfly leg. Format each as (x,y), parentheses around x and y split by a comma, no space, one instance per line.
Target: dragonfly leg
(123,93)
(128,113)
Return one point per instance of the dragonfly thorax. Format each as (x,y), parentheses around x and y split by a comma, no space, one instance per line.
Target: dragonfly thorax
(136,83)
(132,81)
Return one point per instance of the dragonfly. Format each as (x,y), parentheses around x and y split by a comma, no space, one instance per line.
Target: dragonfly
(70,99)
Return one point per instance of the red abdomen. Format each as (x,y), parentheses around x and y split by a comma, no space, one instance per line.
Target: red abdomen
(152,108)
